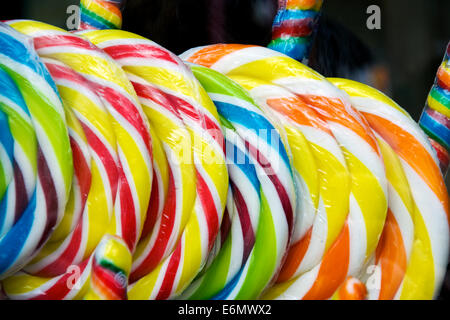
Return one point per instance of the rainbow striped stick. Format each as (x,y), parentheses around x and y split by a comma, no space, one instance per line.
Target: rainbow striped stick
(101,14)
(293,27)
(435,117)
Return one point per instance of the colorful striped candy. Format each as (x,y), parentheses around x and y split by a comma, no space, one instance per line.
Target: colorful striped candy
(155,72)
(43,174)
(427,261)
(100,14)
(293,27)
(259,172)
(318,279)
(435,117)
(123,178)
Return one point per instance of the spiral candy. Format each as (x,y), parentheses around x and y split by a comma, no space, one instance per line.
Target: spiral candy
(365,166)
(293,27)
(156,72)
(35,203)
(428,257)
(123,191)
(255,152)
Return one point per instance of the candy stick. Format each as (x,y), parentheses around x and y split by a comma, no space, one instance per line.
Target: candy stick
(435,117)
(164,71)
(239,273)
(41,212)
(100,14)
(293,27)
(358,145)
(428,259)
(110,270)
(6,154)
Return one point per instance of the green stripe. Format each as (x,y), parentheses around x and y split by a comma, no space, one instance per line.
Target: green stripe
(95,16)
(438,96)
(215,82)
(51,122)
(433,136)
(264,256)
(23,134)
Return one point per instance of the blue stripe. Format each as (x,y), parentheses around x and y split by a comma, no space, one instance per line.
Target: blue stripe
(294,15)
(6,138)
(9,90)
(93,22)
(239,159)
(12,243)
(226,291)
(436,128)
(254,122)
(21,51)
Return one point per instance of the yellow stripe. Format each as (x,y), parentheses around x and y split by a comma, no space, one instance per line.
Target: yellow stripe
(275,68)
(370,197)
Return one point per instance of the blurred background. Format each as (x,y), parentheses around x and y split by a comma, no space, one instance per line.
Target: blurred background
(401,58)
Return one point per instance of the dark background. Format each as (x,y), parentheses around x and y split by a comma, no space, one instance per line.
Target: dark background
(402,57)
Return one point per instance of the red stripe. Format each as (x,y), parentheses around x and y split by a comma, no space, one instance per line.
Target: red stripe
(148,91)
(209,208)
(140,51)
(225,226)
(63,40)
(66,259)
(21,193)
(167,284)
(105,156)
(293,28)
(127,211)
(246,224)
(152,209)
(282,193)
(128,111)
(50,195)
(60,289)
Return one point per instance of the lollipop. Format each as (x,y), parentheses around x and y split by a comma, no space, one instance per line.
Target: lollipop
(110,270)
(104,100)
(35,200)
(259,171)
(428,257)
(165,84)
(293,27)
(314,262)
(435,117)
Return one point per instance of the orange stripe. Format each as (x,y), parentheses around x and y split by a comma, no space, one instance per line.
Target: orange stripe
(294,108)
(334,110)
(444,76)
(333,269)
(391,256)
(294,258)
(414,154)
(304,4)
(211,54)
(110,7)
